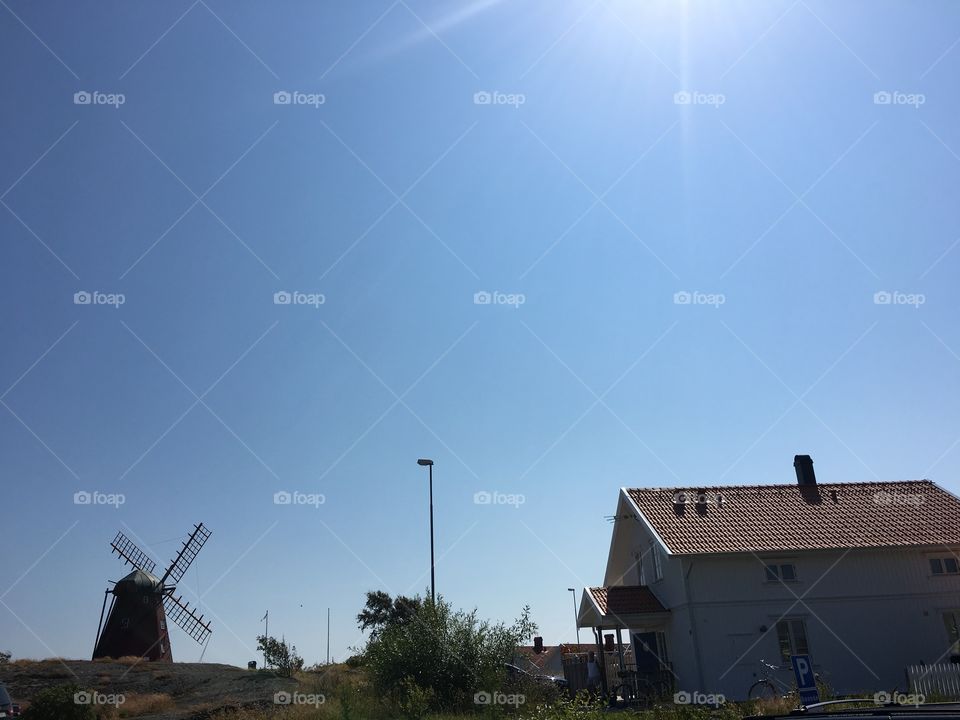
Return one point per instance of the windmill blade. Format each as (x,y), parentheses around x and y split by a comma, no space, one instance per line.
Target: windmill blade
(181,614)
(187,553)
(130,553)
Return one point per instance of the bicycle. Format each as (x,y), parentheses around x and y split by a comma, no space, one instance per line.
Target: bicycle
(766,688)
(635,690)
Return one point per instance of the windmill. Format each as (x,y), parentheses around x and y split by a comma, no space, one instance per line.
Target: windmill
(137,621)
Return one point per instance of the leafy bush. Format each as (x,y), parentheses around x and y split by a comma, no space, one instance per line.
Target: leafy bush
(57,703)
(452,653)
(381,611)
(414,701)
(280,655)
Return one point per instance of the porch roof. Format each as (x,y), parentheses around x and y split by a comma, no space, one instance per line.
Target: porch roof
(624,606)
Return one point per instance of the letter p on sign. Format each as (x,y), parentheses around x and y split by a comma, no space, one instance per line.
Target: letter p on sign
(806,679)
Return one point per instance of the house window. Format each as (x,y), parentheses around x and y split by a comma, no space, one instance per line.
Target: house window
(163,624)
(125,623)
(638,563)
(657,562)
(781,572)
(792,638)
(944,566)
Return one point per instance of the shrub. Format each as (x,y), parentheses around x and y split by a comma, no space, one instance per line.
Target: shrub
(280,655)
(452,653)
(413,701)
(58,703)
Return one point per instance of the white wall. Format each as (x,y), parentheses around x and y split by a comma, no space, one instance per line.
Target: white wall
(868,613)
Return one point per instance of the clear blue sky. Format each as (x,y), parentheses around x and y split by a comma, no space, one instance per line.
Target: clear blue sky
(782,187)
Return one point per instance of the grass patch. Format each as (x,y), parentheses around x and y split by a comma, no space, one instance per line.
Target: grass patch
(146,704)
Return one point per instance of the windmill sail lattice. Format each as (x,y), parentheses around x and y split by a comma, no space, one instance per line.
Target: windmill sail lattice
(130,553)
(180,612)
(187,554)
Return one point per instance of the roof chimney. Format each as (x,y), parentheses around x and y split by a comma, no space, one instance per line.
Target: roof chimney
(803,464)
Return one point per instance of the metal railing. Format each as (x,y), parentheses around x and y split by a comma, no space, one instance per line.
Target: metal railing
(940,681)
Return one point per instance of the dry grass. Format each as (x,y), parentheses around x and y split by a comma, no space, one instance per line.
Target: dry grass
(24,662)
(774,706)
(147,704)
(290,713)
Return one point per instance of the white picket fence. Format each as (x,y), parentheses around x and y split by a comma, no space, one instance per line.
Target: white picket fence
(941,680)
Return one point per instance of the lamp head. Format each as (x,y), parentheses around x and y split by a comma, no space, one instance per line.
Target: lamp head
(424,462)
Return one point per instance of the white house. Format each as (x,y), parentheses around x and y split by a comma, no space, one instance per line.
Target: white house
(863,577)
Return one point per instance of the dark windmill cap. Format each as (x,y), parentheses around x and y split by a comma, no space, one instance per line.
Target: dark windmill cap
(137,581)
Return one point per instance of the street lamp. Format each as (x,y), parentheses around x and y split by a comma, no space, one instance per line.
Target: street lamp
(576,622)
(424,462)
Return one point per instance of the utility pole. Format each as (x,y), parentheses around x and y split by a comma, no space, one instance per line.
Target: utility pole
(266,633)
(576,622)
(328,636)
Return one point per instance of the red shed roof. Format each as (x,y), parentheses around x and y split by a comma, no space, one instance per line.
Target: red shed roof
(772,518)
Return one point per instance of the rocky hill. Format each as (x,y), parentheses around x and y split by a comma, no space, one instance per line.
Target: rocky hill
(154,691)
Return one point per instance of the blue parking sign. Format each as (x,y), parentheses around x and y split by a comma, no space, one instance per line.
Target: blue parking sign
(806,679)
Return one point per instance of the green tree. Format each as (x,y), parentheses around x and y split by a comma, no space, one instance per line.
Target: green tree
(280,654)
(452,654)
(381,611)
(4,657)
(61,702)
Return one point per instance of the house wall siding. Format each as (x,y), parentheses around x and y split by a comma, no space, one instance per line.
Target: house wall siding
(867,613)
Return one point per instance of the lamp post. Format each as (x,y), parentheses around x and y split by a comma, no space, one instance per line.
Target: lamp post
(576,622)
(424,462)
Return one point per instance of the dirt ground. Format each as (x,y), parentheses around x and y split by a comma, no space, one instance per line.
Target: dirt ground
(196,690)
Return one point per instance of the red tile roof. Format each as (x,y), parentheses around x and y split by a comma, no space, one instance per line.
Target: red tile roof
(533,659)
(626,600)
(764,518)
